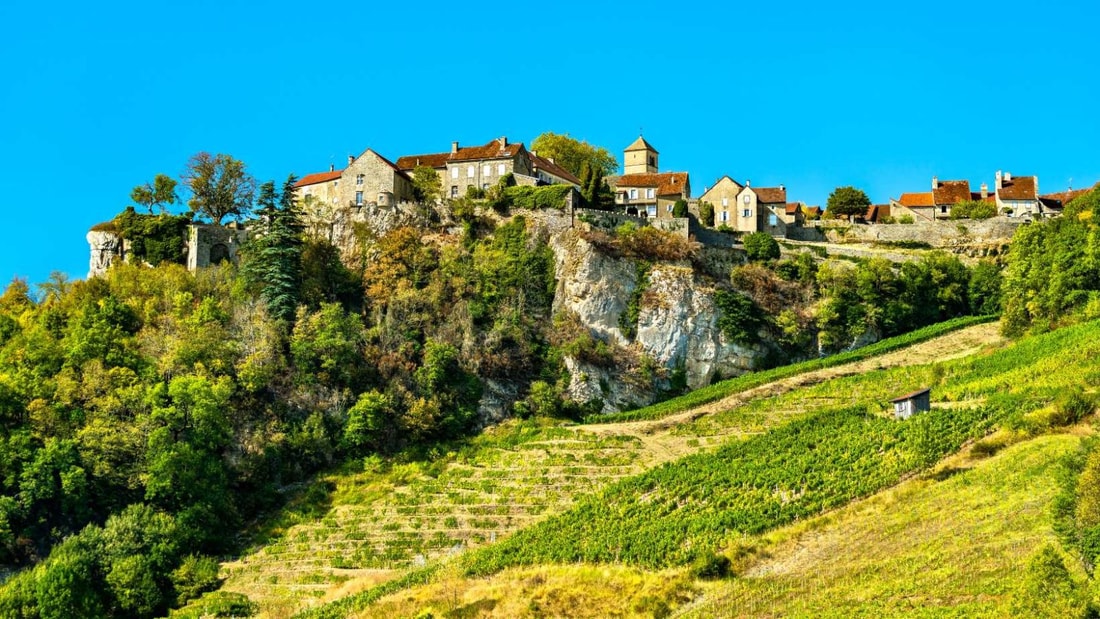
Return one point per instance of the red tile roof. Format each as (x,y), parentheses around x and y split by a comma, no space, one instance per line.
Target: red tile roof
(319,177)
(546,165)
(492,150)
(813,212)
(667,183)
(1062,198)
(917,199)
(1019,188)
(640,144)
(792,208)
(771,195)
(875,212)
(951,192)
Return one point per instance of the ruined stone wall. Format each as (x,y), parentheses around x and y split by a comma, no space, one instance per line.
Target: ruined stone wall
(209,244)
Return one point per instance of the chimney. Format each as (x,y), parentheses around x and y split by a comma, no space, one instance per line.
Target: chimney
(782,187)
(351,159)
(503,142)
(998,180)
(1008,177)
(748,182)
(985,191)
(332,167)
(454,148)
(935,183)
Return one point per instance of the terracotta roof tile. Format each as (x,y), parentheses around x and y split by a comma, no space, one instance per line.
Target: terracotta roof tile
(667,183)
(951,192)
(792,208)
(543,163)
(1019,188)
(812,211)
(492,150)
(1062,198)
(875,212)
(917,199)
(319,177)
(771,195)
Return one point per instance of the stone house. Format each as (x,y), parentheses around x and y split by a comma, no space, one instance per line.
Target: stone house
(1053,203)
(1018,196)
(794,214)
(547,172)
(921,206)
(473,166)
(369,179)
(750,209)
(936,204)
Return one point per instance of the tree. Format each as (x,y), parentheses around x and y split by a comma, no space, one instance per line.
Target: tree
(426,184)
(706,213)
(761,246)
(275,262)
(220,186)
(680,208)
(161,192)
(847,201)
(572,154)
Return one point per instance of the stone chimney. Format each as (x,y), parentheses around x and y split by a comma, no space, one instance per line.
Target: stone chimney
(748,182)
(1008,177)
(985,191)
(998,180)
(935,183)
(782,187)
(332,167)
(503,142)
(454,148)
(351,159)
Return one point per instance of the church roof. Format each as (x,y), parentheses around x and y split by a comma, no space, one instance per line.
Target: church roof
(640,144)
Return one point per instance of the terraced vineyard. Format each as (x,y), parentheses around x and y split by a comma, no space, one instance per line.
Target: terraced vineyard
(391,518)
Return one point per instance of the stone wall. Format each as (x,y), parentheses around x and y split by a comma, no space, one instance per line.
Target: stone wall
(941,234)
(208,244)
(676,225)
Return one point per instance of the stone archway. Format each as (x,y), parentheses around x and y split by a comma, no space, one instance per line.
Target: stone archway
(219,253)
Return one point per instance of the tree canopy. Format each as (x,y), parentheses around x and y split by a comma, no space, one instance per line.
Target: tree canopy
(572,154)
(427,186)
(220,186)
(847,201)
(161,193)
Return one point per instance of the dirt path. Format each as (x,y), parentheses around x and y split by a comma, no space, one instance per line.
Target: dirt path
(950,346)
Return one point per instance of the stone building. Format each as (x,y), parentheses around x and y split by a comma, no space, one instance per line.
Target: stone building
(210,244)
(748,209)
(472,166)
(643,189)
(547,172)
(1018,196)
(369,179)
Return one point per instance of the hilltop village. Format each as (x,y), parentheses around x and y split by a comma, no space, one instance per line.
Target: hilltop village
(372,186)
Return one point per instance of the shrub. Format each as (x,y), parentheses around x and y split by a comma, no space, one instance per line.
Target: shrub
(973,209)
(905,219)
(710,566)
(761,246)
(740,318)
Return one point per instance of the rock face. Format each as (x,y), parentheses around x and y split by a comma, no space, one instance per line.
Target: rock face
(677,324)
(105,247)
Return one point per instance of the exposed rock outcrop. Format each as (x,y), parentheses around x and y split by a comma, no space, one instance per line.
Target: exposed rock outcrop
(105,247)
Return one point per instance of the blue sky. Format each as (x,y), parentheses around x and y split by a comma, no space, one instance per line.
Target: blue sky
(98,98)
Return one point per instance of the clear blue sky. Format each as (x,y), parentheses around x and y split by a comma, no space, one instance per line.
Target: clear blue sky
(99,97)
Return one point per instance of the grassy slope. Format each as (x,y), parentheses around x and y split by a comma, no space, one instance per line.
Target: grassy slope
(942,545)
(925,549)
(503,480)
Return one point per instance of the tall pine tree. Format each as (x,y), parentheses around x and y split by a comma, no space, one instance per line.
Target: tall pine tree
(275,266)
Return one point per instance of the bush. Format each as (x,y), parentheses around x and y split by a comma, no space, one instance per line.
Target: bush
(154,238)
(710,566)
(535,198)
(973,209)
(905,219)
(740,319)
(761,246)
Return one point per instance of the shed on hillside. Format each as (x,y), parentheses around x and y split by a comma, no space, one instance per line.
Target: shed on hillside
(912,403)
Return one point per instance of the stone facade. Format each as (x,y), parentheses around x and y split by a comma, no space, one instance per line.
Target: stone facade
(640,158)
(209,244)
(473,166)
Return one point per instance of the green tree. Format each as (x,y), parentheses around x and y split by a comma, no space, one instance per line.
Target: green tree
(985,288)
(761,246)
(572,154)
(427,187)
(847,201)
(706,213)
(370,422)
(680,208)
(220,186)
(274,263)
(160,193)
(973,209)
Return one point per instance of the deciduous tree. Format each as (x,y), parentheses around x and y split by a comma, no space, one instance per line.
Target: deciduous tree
(161,192)
(847,201)
(572,154)
(220,186)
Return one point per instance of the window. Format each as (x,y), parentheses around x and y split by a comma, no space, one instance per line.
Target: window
(454,191)
(454,172)
(725,216)
(500,169)
(772,220)
(746,213)
(746,199)
(633,194)
(335,184)
(652,161)
(668,208)
(649,193)
(359,180)
(359,197)
(470,170)
(725,201)
(486,170)
(651,210)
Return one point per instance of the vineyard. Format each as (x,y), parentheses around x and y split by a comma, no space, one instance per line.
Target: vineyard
(823,458)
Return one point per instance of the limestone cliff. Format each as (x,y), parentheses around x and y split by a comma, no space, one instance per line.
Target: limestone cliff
(105,246)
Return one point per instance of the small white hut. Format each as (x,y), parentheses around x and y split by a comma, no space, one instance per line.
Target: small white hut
(910,404)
